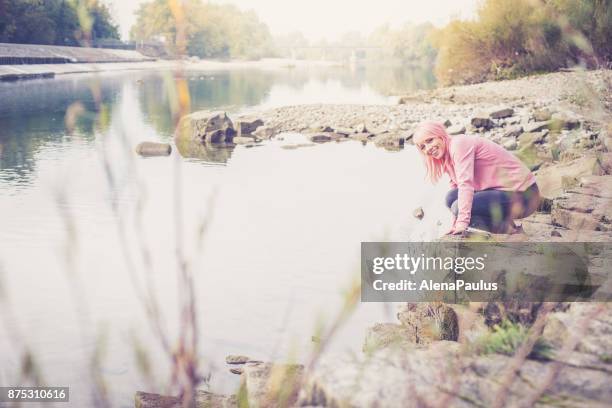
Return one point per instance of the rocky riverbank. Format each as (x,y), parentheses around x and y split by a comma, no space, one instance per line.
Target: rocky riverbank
(552,354)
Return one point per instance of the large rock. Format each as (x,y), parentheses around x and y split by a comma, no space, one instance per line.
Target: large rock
(388,335)
(535,127)
(247,125)
(206,127)
(482,120)
(587,207)
(500,113)
(264,132)
(550,179)
(389,140)
(429,321)
(203,399)
(595,341)
(542,115)
(441,376)
(150,149)
(269,385)
(513,131)
(529,156)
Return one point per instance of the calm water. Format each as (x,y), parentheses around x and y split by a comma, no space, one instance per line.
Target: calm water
(81,214)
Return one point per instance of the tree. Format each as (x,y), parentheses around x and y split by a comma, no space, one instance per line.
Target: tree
(57,22)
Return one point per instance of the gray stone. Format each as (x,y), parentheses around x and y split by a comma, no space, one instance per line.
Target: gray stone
(264,132)
(535,127)
(269,385)
(550,179)
(481,121)
(513,131)
(418,213)
(360,128)
(322,137)
(203,399)
(526,139)
(248,125)
(447,123)
(501,113)
(384,335)
(586,207)
(243,140)
(206,127)
(149,149)
(236,359)
(429,321)
(389,140)
(455,130)
(529,156)
(344,131)
(564,121)
(510,144)
(542,115)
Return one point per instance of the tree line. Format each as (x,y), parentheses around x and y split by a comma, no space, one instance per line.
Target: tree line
(511,38)
(204,30)
(55,22)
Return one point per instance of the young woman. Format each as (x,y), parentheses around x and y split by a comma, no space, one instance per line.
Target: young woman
(490,187)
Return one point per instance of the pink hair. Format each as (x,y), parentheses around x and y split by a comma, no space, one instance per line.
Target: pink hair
(435,168)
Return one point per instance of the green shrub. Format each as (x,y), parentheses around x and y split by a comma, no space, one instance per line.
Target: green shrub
(507,337)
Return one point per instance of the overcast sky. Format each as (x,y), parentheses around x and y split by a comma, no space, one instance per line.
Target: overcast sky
(328,19)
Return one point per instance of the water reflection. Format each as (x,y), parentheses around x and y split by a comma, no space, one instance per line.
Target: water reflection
(33,113)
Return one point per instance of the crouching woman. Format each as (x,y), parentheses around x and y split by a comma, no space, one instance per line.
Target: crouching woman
(490,187)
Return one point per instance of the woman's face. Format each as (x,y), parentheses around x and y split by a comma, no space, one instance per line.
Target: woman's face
(430,146)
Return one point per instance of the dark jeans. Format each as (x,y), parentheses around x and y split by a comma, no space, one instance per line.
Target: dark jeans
(494,210)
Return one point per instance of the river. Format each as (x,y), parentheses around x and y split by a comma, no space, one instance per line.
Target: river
(84,222)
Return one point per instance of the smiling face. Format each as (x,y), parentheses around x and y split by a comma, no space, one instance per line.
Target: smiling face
(430,146)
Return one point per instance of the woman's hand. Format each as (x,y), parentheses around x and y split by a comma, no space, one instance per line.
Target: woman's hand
(458,230)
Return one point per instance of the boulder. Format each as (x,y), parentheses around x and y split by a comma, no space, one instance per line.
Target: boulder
(587,207)
(243,140)
(564,121)
(324,137)
(482,121)
(441,376)
(389,140)
(248,125)
(269,385)
(345,131)
(526,139)
(529,156)
(236,359)
(550,179)
(513,131)
(360,128)
(535,126)
(542,115)
(206,127)
(500,113)
(455,130)
(510,144)
(418,213)
(264,132)
(149,149)
(384,335)
(596,341)
(429,321)
(203,399)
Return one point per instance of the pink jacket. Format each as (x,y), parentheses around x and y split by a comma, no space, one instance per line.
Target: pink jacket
(475,164)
